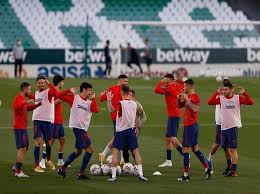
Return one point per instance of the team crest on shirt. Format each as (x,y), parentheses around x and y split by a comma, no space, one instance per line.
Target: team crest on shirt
(82,107)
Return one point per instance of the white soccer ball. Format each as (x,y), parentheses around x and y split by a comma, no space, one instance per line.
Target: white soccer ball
(95,170)
(218,78)
(135,170)
(128,168)
(118,170)
(106,170)
(109,160)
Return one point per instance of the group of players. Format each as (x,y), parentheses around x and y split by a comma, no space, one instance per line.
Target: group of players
(128,118)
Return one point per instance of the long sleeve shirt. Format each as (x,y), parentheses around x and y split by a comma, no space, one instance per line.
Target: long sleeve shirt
(21,108)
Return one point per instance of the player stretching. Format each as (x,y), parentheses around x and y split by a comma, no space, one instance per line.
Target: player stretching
(217,142)
(42,118)
(125,134)
(170,89)
(116,92)
(81,108)
(57,129)
(230,119)
(191,101)
(140,119)
(21,105)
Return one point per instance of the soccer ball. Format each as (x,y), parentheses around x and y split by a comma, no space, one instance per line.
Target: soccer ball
(135,170)
(109,160)
(118,170)
(95,170)
(128,168)
(218,78)
(106,170)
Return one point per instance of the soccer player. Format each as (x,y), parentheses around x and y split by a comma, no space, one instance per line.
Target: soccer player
(191,101)
(230,119)
(116,93)
(170,89)
(217,142)
(57,129)
(82,106)
(21,106)
(42,118)
(140,119)
(125,134)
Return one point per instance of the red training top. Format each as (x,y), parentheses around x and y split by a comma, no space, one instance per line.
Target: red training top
(116,91)
(190,117)
(171,92)
(213,100)
(20,108)
(68,97)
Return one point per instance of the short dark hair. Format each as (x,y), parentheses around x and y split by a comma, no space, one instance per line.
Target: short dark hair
(122,76)
(40,77)
(107,41)
(133,92)
(24,85)
(84,85)
(125,89)
(189,82)
(226,80)
(57,79)
(229,85)
(170,76)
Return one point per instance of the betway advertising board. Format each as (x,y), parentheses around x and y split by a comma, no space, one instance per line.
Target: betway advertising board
(71,62)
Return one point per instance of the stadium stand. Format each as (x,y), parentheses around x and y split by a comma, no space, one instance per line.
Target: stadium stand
(62,24)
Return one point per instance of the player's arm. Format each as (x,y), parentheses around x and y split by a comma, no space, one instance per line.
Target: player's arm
(67,95)
(245,99)
(160,88)
(140,116)
(93,105)
(110,106)
(181,100)
(52,91)
(31,96)
(193,103)
(214,98)
(31,107)
(103,96)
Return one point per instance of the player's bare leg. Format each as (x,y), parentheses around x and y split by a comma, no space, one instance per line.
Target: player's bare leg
(60,151)
(19,161)
(115,153)
(138,162)
(102,155)
(203,160)
(234,158)
(38,143)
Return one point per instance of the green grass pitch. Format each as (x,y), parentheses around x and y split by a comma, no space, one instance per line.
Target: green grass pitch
(152,147)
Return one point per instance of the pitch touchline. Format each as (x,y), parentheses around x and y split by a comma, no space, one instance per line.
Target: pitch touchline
(159,125)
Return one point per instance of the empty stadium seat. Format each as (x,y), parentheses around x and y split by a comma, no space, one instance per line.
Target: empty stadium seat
(62,24)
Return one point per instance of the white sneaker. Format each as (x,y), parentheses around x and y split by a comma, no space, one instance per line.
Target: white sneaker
(167,163)
(60,162)
(21,175)
(42,163)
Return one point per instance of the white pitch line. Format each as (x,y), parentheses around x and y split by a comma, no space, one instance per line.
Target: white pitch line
(159,125)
